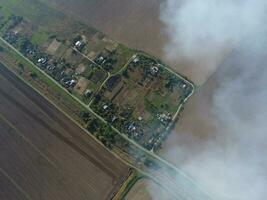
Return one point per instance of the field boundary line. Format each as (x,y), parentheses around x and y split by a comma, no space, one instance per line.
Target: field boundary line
(18,132)
(15,184)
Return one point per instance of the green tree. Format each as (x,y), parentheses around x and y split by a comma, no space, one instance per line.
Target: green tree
(21,66)
(33,75)
(125,73)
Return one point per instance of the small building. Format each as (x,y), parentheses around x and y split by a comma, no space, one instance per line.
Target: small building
(131,127)
(88,93)
(114,118)
(78,43)
(29,51)
(105,107)
(50,67)
(164,118)
(154,70)
(42,60)
(72,83)
(183,85)
(136,59)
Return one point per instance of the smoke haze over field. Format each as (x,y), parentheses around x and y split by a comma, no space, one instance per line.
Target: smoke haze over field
(203,32)
(232,164)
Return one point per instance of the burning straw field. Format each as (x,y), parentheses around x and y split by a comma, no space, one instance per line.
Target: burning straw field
(44,155)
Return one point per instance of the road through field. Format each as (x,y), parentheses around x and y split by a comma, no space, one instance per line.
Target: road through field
(44,155)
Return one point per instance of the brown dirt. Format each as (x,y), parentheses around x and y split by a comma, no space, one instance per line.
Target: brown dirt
(143,189)
(137,24)
(81,68)
(53,47)
(44,155)
(134,22)
(81,85)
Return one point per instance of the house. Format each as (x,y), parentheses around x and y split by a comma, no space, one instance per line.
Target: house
(72,83)
(154,70)
(131,127)
(114,118)
(164,118)
(50,67)
(88,93)
(78,43)
(183,85)
(42,60)
(29,51)
(100,60)
(136,59)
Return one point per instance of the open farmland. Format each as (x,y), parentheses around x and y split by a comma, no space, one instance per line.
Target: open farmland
(143,29)
(44,155)
(143,189)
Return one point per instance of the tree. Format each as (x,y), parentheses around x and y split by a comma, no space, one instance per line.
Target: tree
(1,49)
(21,66)
(125,73)
(85,116)
(24,44)
(92,126)
(33,75)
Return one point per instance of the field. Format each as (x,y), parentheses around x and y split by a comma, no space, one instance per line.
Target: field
(44,155)
(142,30)
(145,189)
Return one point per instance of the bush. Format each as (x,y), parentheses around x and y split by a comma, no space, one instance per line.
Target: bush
(33,75)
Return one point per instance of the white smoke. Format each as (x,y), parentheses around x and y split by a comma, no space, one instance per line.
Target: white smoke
(234,167)
(204,31)
(199,27)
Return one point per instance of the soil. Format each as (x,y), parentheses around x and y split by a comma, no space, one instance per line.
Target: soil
(44,155)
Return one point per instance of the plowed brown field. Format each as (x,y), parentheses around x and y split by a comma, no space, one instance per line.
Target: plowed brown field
(44,155)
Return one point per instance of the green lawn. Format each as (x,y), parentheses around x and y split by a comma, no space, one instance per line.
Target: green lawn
(33,10)
(40,37)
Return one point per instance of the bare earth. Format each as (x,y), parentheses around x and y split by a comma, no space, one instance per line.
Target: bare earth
(44,155)
(143,189)
(137,24)
(134,23)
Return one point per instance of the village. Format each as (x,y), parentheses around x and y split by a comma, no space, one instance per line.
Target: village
(132,91)
(141,101)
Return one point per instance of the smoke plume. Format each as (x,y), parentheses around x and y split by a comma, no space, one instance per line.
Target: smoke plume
(234,165)
(203,32)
